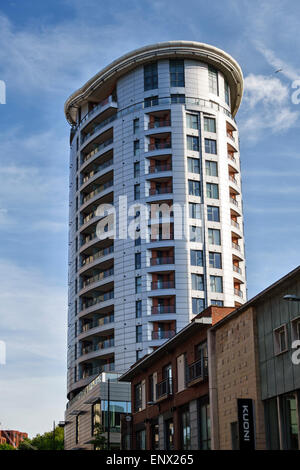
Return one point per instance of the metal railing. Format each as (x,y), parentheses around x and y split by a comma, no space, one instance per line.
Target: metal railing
(235,224)
(162,285)
(155,191)
(97,128)
(237,269)
(99,299)
(163,334)
(233,201)
(98,190)
(236,246)
(99,254)
(198,370)
(156,310)
(98,277)
(238,292)
(157,124)
(159,146)
(99,322)
(160,168)
(164,388)
(162,260)
(97,149)
(98,170)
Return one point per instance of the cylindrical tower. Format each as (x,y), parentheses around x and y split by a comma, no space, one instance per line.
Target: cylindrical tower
(153,133)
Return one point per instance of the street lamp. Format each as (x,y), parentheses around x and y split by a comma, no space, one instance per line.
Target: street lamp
(291,298)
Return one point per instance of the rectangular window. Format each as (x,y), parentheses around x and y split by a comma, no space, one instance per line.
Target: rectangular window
(77,429)
(137,191)
(137,241)
(96,416)
(193,165)
(212,190)
(194,188)
(204,425)
(138,397)
(136,125)
(198,305)
(211,168)
(196,257)
(215,260)
(194,210)
(197,282)
(138,355)
(209,124)
(139,334)
(169,434)
(177,73)
(138,258)
(138,309)
(296,329)
(138,284)
(280,339)
(185,429)
(175,99)
(210,146)
(151,101)
(216,284)
(213,83)
(136,169)
(195,234)
(217,303)
(192,121)
(213,214)
(150,76)
(136,147)
(227,93)
(192,143)
(214,236)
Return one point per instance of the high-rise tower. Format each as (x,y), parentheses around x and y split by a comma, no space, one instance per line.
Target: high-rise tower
(154,127)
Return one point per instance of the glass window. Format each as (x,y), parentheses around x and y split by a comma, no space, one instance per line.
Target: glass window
(209,124)
(150,76)
(136,147)
(280,339)
(177,99)
(77,426)
(290,421)
(192,121)
(211,168)
(137,191)
(217,303)
(96,416)
(214,236)
(197,282)
(210,146)
(227,93)
(137,241)
(169,434)
(136,169)
(151,101)
(192,143)
(138,397)
(197,305)
(185,428)
(212,190)
(196,257)
(194,188)
(195,234)
(138,309)
(213,84)
(138,285)
(155,437)
(204,424)
(213,214)
(194,210)
(215,260)
(136,125)
(193,165)
(137,260)
(216,284)
(139,334)
(177,73)
(138,355)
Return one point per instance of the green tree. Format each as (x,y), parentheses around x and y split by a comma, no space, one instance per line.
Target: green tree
(45,441)
(6,447)
(99,441)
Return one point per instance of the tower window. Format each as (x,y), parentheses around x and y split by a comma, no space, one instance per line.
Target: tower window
(177,73)
(213,84)
(150,76)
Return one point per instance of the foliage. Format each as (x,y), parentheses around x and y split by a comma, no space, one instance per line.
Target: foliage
(6,447)
(99,441)
(45,441)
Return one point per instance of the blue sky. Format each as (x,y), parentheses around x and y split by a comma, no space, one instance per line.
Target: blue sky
(50,48)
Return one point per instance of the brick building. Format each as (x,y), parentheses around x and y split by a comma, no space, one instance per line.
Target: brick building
(12,437)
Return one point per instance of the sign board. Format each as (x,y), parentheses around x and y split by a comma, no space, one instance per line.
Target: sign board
(246,423)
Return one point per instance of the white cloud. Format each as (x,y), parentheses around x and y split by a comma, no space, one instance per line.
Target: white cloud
(277,63)
(267,90)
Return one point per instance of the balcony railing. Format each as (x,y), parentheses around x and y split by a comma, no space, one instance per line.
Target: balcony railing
(99,299)
(154,191)
(198,370)
(164,388)
(159,309)
(159,146)
(238,292)
(236,246)
(231,157)
(235,224)
(98,370)
(103,103)
(156,124)
(98,190)
(230,136)
(99,254)
(163,334)
(99,169)
(237,269)
(162,260)
(99,322)
(97,149)
(162,285)
(232,178)
(97,128)
(160,168)
(233,201)
(98,277)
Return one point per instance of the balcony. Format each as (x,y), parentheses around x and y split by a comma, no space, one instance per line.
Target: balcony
(98,190)
(109,100)
(232,179)
(162,285)
(161,309)
(97,128)
(99,299)
(237,269)
(235,224)
(99,254)
(238,292)
(198,371)
(163,334)
(232,158)
(98,277)
(98,370)
(160,168)
(164,389)
(233,201)
(100,168)
(157,124)
(236,246)
(97,149)
(162,260)
(155,191)
(159,146)
(96,323)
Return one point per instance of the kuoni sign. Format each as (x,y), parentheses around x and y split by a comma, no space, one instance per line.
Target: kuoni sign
(246,423)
